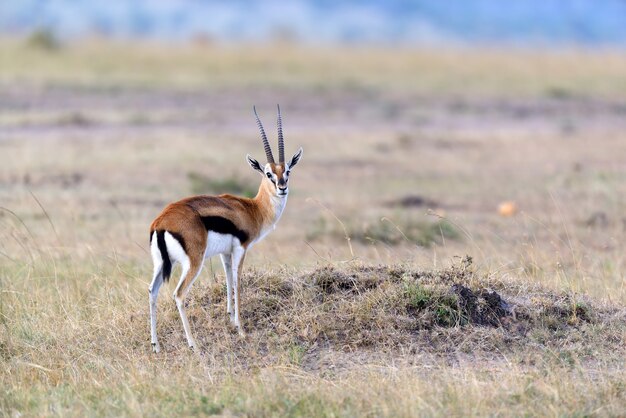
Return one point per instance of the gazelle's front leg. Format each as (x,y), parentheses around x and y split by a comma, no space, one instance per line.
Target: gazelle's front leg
(228,270)
(238,255)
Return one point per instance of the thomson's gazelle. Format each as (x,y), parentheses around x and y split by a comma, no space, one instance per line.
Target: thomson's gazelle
(195,228)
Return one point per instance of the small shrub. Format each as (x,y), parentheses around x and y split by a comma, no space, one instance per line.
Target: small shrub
(417,297)
(448,312)
(43,39)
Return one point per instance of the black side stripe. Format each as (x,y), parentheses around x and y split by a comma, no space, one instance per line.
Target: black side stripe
(223,226)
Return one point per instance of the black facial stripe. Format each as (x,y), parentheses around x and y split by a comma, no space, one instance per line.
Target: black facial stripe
(222,225)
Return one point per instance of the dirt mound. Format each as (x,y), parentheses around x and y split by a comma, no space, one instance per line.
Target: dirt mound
(393,310)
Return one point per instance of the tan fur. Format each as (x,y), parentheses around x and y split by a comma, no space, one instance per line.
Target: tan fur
(278,169)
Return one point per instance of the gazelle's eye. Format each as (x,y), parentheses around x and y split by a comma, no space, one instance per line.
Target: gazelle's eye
(269,175)
(287,173)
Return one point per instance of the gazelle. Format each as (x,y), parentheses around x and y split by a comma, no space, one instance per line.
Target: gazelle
(196,228)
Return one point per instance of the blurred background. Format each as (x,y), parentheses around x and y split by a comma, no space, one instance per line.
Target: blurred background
(397,22)
(431,129)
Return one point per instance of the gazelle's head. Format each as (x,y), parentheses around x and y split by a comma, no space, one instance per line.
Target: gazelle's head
(276,174)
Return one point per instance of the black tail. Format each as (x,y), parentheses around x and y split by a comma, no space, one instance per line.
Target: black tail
(167,264)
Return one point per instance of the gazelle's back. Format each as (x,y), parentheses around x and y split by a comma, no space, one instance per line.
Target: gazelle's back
(199,215)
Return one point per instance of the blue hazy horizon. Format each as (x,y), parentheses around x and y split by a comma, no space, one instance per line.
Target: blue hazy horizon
(467,22)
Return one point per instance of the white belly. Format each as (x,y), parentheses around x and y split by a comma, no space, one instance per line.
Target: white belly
(219,244)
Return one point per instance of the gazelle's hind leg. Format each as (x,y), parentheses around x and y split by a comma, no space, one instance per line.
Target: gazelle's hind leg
(157,281)
(238,255)
(228,270)
(191,270)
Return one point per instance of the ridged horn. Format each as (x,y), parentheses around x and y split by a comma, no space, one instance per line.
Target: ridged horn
(281,143)
(266,145)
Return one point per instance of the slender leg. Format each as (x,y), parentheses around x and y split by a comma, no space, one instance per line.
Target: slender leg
(157,281)
(239,269)
(238,256)
(191,270)
(228,270)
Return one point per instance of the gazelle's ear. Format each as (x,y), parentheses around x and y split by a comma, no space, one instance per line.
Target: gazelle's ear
(254,163)
(296,157)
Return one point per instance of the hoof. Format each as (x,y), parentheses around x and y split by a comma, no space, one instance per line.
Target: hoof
(240,331)
(155,348)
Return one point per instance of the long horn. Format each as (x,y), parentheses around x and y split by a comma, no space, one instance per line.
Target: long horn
(266,145)
(281,143)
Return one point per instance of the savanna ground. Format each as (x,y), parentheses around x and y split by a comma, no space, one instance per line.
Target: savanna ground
(435,305)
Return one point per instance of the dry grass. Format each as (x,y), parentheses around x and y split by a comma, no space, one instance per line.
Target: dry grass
(386,340)
(106,65)
(407,156)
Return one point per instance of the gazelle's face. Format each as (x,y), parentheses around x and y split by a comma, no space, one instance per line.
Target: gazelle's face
(277,175)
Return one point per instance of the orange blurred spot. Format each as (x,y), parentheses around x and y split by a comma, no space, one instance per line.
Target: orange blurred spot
(507,208)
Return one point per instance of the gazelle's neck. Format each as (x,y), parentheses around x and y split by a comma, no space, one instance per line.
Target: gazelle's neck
(271,205)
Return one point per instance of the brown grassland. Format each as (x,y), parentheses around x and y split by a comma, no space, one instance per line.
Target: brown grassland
(392,285)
